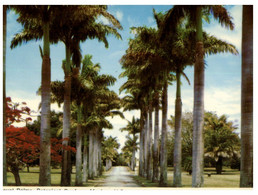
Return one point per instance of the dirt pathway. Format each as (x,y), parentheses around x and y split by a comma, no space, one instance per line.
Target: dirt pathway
(118,177)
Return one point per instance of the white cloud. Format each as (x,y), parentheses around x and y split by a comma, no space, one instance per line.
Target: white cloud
(119,15)
(222,100)
(234,37)
(119,123)
(103,20)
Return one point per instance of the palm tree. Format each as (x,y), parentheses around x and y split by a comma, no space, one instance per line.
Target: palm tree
(195,14)
(184,45)
(129,150)
(133,127)
(141,63)
(163,147)
(132,102)
(109,150)
(220,139)
(71,30)
(71,38)
(92,99)
(42,16)
(99,104)
(246,174)
(143,57)
(85,159)
(4,97)
(156,105)
(140,77)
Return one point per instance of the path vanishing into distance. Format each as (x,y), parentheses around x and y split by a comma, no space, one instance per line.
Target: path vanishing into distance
(118,177)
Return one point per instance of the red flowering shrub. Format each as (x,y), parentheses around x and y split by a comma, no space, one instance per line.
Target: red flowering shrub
(23,145)
(15,112)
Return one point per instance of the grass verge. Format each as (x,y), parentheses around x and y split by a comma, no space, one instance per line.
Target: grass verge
(229,178)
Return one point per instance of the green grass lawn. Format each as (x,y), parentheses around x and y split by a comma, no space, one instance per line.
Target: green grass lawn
(229,178)
(32,178)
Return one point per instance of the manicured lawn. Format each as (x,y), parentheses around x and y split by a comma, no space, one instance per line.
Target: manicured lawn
(32,178)
(228,179)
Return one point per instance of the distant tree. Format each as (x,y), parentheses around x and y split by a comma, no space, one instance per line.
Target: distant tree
(133,127)
(220,139)
(55,121)
(109,150)
(129,150)
(120,160)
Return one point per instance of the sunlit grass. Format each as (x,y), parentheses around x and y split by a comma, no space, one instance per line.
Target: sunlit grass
(228,179)
(32,178)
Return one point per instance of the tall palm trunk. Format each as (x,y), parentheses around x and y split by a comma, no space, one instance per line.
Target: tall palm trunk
(146,145)
(133,162)
(44,176)
(78,180)
(141,165)
(91,154)
(107,164)
(163,148)
(198,111)
(149,160)
(246,174)
(178,132)
(85,160)
(99,153)
(95,154)
(66,119)
(155,177)
(4,98)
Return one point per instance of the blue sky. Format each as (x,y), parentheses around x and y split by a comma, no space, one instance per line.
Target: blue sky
(222,74)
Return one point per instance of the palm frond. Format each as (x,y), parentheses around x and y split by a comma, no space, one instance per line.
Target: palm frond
(221,14)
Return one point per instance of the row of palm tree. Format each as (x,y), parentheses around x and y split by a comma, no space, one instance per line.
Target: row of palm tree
(151,65)
(71,25)
(92,102)
(196,14)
